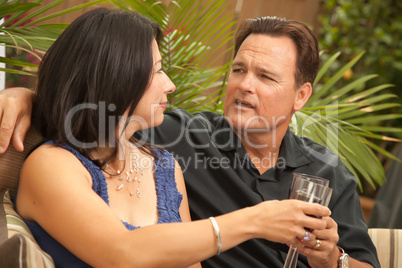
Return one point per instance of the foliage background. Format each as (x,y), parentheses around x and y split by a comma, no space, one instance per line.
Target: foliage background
(198,32)
(373,26)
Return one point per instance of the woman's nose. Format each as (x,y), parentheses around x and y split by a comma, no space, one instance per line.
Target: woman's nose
(169,86)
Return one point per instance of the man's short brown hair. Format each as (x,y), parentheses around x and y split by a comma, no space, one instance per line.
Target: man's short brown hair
(306,43)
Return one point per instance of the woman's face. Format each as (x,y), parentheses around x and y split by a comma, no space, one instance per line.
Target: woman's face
(149,111)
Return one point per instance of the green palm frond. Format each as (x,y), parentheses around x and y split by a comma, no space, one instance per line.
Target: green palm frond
(198,34)
(25,28)
(344,119)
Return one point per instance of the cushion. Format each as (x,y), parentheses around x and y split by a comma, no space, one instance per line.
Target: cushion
(12,160)
(18,247)
(389,246)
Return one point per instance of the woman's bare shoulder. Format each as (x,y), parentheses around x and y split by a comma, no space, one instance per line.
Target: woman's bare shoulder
(49,171)
(48,162)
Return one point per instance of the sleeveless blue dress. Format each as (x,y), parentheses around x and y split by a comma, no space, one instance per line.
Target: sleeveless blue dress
(168,203)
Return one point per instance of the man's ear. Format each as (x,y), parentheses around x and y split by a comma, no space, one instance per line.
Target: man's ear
(302,96)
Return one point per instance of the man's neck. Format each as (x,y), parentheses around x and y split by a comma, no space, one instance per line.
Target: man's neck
(263,148)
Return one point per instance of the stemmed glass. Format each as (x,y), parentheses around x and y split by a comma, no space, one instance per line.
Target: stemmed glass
(311,189)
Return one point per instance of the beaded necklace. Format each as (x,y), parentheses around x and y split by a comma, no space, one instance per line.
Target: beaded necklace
(135,166)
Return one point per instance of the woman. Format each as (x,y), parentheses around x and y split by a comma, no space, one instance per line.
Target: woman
(86,191)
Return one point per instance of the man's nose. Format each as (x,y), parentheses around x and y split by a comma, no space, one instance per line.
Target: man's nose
(247,83)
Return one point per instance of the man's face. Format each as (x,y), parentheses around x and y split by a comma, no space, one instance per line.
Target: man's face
(261,91)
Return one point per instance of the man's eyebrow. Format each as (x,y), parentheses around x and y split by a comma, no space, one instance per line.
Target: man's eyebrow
(240,64)
(265,71)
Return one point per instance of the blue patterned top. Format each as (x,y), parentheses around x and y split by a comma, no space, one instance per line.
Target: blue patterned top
(168,202)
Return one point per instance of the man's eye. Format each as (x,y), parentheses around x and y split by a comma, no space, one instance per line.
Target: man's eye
(266,77)
(237,70)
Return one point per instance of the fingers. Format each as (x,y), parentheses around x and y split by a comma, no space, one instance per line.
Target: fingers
(320,249)
(315,237)
(15,116)
(315,209)
(8,119)
(314,213)
(317,244)
(324,247)
(20,132)
(288,220)
(330,233)
(313,244)
(311,241)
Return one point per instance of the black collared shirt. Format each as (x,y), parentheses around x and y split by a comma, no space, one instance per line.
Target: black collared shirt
(220,178)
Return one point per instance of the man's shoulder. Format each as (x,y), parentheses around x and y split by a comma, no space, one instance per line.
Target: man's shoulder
(316,152)
(323,161)
(308,144)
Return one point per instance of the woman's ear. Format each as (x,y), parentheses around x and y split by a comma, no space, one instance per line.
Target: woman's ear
(302,96)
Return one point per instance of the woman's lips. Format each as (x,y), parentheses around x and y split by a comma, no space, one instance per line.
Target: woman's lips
(163,104)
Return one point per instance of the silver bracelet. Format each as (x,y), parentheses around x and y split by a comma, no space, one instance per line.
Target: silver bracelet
(217,234)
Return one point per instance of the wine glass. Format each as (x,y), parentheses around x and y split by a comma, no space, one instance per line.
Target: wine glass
(311,189)
(312,178)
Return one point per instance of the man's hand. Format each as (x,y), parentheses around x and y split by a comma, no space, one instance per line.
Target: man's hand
(15,116)
(327,253)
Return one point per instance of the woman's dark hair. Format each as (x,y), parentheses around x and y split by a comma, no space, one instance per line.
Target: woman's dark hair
(306,43)
(99,67)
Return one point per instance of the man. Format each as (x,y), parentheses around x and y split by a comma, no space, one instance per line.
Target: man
(249,155)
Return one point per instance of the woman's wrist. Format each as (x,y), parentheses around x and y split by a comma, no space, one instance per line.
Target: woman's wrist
(217,234)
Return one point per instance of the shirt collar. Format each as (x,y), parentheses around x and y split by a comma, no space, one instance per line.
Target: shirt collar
(293,151)
(224,137)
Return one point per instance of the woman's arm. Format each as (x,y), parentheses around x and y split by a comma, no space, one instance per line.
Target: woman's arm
(184,208)
(55,191)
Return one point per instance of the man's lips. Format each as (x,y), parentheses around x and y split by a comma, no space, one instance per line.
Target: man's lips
(243,103)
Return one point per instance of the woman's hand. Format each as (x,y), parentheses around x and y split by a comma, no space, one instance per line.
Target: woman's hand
(15,116)
(286,221)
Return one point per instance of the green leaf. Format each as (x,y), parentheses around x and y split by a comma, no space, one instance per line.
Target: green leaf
(376,136)
(346,89)
(377,99)
(11,9)
(374,118)
(38,12)
(366,93)
(382,151)
(325,67)
(17,62)
(13,71)
(66,11)
(383,130)
(334,79)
